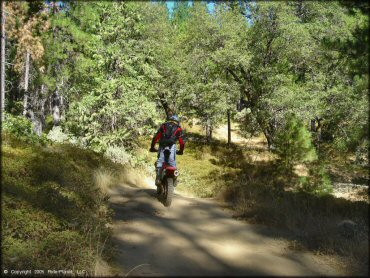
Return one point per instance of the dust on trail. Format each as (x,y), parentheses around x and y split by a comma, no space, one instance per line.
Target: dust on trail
(198,237)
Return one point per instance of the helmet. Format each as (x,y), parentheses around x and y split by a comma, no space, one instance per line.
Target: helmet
(175,118)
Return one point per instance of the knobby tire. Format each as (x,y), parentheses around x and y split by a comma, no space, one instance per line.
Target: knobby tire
(168,191)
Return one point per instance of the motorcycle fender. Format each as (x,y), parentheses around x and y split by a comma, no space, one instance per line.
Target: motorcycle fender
(163,174)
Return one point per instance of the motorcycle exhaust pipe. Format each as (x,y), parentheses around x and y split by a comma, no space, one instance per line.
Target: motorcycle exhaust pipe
(176,173)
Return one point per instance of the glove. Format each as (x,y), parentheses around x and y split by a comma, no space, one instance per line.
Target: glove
(180,152)
(153,150)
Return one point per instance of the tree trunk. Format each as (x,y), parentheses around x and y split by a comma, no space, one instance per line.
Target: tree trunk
(2,97)
(26,80)
(51,104)
(209,133)
(300,9)
(57,103)
(166,107)
(263,126)
(113,122)
(25,103)
(268,138)
(208,130)
(35,110)
(62,108)
(228,128)
(40,120)
(56,110)
(38,126)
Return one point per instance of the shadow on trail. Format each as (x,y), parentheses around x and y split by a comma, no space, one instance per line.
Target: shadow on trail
(192,237)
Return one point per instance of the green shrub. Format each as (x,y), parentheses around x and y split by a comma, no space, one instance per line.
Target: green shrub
(22,128)
(318,182)
(294,143)
(15,107)
(57,135)
(18,125)
(341,144)
(118,155)
(362,152)
(49,123)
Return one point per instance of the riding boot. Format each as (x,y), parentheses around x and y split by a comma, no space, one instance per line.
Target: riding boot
(158,177)
(158,181)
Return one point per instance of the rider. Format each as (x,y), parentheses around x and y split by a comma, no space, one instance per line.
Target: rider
(167,134)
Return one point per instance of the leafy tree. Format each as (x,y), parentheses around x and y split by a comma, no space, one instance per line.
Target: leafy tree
(295,65)
(110,104)
(210,94)
(164,71)
(103,70)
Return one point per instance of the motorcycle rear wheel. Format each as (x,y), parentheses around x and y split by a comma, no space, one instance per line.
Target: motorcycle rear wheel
(168,191)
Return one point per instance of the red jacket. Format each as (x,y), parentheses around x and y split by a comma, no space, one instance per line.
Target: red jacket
(162,131)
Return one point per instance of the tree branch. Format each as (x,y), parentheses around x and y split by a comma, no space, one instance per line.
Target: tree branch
(237,79)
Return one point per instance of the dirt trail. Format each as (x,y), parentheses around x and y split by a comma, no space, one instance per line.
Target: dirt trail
(198,237)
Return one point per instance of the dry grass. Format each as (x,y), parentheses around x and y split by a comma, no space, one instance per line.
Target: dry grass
(104,179)
(257,198)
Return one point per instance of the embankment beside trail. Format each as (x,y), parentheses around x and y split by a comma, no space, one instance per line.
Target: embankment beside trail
(54,207)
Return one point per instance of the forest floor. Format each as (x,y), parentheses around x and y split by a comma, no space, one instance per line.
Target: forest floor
(204,236)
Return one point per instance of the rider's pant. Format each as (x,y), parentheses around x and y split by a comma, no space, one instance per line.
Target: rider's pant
(171,159)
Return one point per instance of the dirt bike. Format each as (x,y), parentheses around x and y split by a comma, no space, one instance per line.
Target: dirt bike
(168,176)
